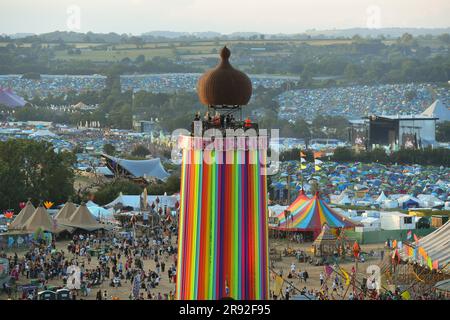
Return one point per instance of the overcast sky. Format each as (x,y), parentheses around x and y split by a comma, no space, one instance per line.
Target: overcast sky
(225,16)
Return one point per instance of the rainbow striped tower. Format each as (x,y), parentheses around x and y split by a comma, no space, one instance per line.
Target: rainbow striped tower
(222,227)
(223,231)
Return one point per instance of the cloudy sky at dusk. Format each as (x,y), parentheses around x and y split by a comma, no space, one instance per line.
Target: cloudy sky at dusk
(225,16)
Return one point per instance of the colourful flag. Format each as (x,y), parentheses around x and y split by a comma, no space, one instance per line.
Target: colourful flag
(430,263)
(423,253)
(436,264)
(318,154)
(328,270)
(347,278)
(416,239)
(302,166)
(317,168)
(278,285)
(394,244)
(406,295)
(410,252)
(408,235)
(356,249)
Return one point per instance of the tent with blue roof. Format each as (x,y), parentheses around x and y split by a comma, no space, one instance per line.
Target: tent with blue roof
(149,168)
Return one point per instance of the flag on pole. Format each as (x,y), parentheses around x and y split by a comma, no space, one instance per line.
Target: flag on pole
(406,295)
(318,154)
(416,239)
(394,244)
(396,255)
(436,264)
(328,270)
(430,263)
(410,252)
(356,249)
(347,277)
(408,235)
(278,285)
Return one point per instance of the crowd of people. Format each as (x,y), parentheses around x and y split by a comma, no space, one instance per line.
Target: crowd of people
(222,121)
(106,261)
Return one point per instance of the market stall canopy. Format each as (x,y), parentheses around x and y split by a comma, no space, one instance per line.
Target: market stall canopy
(326,237)
(23,216)
(137,168)
(437,247)
(101,213)
(134,201)
(40,220)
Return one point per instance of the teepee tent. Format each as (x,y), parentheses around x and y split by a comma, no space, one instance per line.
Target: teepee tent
(40,220)
(83,219)
(325,243)
(23,216)
(344,199)
(381,198)
(65,212)
(437,110)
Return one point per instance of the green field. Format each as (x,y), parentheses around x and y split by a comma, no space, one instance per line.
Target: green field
(187,50)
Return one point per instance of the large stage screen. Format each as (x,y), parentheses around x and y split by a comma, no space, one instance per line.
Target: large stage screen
(383,131)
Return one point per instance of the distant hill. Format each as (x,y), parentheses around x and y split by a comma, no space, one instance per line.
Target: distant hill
(387,32)
(20,35)
(175,35)
(166,34)
(70,36)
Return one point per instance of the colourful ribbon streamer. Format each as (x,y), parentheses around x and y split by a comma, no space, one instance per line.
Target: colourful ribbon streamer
(223,231)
